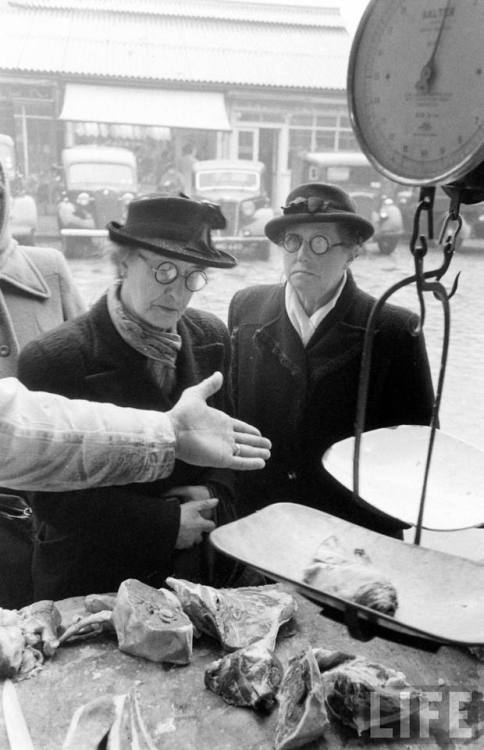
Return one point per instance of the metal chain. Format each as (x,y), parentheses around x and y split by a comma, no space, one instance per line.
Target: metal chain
(425,281)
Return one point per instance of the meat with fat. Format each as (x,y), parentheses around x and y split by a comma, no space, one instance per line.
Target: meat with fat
(235,617)
(350,575)
(302,716)
(364,694)
(151,623)
(248,677)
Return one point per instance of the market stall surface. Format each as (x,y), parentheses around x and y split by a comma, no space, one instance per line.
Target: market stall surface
(180,713)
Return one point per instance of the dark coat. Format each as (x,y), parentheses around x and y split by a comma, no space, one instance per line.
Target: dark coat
(91,540)
(304,399)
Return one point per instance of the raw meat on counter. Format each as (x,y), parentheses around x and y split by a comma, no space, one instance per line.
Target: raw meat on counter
(235,617)
(354,686)
(151,623)
(302,716)
(248,677)
(27,637)
(113,722)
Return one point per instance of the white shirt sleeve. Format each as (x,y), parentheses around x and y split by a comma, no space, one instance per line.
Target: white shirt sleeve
(51,443)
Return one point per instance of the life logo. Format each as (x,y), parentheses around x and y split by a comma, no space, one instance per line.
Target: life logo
(443,714)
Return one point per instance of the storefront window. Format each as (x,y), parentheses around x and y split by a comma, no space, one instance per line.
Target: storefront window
(304,119)
(246,144)
(327,121)
(325,140)
(347,141)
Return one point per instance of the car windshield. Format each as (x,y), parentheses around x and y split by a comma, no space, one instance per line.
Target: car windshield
(236,179)
(364,176)
(101,174)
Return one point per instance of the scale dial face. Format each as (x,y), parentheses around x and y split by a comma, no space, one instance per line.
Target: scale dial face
(416,88)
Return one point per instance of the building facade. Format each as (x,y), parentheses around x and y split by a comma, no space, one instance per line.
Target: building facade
(217,78)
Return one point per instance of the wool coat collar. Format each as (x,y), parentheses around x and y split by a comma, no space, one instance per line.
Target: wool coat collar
(17,269)
(338,338)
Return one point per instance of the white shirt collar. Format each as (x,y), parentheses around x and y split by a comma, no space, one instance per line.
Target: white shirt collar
(304,324)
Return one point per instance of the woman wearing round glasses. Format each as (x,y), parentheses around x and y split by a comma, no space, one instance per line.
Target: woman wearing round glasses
(297,352)
(138,346)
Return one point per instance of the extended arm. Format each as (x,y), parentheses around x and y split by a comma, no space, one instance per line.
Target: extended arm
(50,443)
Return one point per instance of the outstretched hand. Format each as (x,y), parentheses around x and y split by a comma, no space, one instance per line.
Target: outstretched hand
(208,437)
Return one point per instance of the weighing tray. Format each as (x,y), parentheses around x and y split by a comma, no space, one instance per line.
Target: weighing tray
(392,465)
(441,597)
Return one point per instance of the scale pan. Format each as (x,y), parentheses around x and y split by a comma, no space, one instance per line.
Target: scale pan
(392,464)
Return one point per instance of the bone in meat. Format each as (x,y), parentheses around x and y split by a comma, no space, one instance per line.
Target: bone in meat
(302,716)
(150,622)
(235,617)
(248,677)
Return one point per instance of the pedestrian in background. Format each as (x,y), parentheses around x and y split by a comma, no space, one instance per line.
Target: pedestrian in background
(184,165)
(37,291)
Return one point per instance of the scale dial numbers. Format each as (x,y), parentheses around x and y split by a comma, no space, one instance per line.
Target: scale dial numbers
(416,88)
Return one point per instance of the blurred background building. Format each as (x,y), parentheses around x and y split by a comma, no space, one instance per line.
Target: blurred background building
(173,80)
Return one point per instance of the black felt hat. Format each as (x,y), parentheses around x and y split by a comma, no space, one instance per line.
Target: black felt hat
(318,202)
(156,222)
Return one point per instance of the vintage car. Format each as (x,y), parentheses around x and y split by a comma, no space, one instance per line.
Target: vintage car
(373,193)
(237,185)
(99,182)
(23,208)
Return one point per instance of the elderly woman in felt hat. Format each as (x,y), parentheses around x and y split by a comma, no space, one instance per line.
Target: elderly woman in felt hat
(139,346)
(297,350)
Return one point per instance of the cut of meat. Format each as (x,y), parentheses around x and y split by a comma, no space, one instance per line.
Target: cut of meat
(363,694)
(150,622)
(248,677)
(113,722)
(235,617)
(352,576)
(27,636)
(91,723)
(302,716)
(12,643)
(41,623)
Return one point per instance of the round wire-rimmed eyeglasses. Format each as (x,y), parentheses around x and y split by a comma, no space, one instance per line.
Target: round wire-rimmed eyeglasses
(167,272)
(318,244)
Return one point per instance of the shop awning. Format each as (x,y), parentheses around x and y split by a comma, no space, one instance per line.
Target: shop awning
(202,110)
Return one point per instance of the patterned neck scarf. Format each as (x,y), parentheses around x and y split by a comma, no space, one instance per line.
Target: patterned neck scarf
(156,344)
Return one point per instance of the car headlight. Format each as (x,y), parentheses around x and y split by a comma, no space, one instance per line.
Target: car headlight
(127,197)
(248,208)
(83,199)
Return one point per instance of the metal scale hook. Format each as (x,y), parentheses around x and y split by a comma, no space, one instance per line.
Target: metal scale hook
(426,281)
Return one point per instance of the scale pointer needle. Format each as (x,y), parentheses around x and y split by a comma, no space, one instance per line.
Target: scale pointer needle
(428,72)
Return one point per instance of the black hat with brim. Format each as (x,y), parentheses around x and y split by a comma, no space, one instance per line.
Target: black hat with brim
(317,202)
(175,227)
